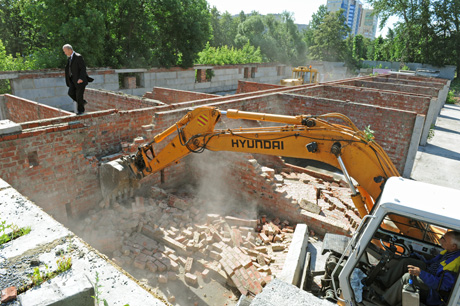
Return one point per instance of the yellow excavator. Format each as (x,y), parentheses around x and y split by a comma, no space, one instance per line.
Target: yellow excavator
(310,137)
(398,214)
(301,75)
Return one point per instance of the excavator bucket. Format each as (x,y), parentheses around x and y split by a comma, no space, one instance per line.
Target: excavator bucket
(116,179)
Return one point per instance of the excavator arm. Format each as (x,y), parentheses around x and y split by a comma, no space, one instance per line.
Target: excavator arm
(310,137)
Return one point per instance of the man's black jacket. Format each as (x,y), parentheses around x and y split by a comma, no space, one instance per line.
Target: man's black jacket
(78,70)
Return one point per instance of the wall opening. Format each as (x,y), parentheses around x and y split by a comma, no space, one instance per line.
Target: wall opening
(131,80)
(68,210)
(33,159)
(246,72)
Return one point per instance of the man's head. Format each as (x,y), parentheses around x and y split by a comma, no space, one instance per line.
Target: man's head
(68,50)
(451,241)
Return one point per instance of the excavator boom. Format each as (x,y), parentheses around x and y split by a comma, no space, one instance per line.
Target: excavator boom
(304,136)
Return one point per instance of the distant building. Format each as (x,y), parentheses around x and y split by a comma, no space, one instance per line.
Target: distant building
(368,24)
(353,12)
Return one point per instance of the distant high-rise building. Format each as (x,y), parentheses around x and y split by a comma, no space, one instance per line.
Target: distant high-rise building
(368,24)
(353,11)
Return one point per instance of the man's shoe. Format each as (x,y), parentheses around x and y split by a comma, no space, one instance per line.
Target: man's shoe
(80,113)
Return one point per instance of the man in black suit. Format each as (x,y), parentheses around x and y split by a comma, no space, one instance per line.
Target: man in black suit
(76,77)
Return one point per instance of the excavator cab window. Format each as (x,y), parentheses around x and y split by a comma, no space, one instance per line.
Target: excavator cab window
(397,236)
(417,235)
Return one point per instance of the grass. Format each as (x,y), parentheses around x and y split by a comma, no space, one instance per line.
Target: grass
(38,277)
(453,96)
(16,232)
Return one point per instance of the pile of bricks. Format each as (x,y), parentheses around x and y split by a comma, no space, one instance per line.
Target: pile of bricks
(330,199)
(166,237)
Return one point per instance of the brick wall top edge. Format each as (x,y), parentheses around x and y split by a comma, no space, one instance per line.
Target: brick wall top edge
(65,119)
(286,96)
(182,91)
(424,83)
(23,100)
(383,91)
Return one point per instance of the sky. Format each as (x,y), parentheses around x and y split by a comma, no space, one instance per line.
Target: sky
(302,9)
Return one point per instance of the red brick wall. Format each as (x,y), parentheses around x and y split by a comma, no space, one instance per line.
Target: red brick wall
(429,91)
(22,110)
(231,182)
(423,83)
(102,100)
(416,78)
(244,87)
(393,128)
(171,96)
(398,100)
(58,163)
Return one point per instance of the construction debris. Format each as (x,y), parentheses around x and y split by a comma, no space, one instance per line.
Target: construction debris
(167,236)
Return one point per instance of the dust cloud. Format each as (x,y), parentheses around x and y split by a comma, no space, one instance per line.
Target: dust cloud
(217,188)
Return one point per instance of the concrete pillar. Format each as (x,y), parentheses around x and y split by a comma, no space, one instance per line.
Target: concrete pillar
(293,265)
(2,108)
(442,96)
(413,146)
(430,117)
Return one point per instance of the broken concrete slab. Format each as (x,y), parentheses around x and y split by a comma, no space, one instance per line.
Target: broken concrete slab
(279,292)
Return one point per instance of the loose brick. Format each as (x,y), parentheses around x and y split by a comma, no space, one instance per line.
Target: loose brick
(151,266)
(160,265)
(191,279)
(264,238)
(9,294)
(205,274)
(162,279)
(188,264)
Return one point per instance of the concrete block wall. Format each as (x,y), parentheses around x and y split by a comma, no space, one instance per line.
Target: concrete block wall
(48,87)
(446,72)
(22,110)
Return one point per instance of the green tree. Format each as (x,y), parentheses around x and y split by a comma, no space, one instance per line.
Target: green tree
(359,47)
(225,55)
(328,39)
(316,20)
(278,39)
(230,24)
(182,28)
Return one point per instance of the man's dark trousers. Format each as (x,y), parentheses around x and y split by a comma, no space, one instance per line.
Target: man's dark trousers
(76,93)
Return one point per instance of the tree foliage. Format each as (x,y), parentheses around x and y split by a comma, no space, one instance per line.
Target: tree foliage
(278,39)
(117,33)
(328,42)
(225,55)
(428,31)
